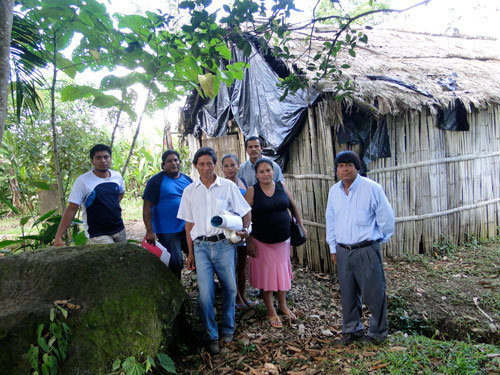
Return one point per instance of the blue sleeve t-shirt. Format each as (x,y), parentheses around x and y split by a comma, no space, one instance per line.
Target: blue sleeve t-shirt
(165,193)
(100,201)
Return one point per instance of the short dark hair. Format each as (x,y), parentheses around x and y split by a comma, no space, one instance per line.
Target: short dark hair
(204,151)
(230,156)
(166,154)
(348,157)
(97,148)
(254,138)
(263,160)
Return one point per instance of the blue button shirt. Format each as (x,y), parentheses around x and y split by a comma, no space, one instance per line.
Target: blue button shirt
(364,214)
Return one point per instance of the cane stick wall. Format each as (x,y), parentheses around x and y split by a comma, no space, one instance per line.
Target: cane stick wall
(443,185)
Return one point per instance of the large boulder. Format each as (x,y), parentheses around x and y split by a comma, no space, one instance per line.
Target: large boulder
(129,303)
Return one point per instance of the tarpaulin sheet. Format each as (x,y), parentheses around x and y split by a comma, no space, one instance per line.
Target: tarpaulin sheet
(255,105)
(359,128)
(453,118)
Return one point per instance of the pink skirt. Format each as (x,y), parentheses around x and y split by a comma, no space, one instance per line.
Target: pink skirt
(271,270)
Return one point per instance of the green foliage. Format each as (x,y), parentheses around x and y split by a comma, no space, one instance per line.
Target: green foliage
(334,12)
(26,156)
(47,225)
(443,248)
(52,344)
(130,366)
(400,320)
(418,354)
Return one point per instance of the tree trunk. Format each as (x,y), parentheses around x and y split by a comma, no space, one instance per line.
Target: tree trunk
(131,151)
(57,166)
(6,12)
(116,124)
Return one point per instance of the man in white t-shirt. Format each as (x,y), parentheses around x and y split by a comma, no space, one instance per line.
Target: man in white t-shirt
(99,192)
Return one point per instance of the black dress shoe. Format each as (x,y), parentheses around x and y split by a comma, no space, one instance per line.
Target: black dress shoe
(371,340)
(213,347)
(227,338)
(349,338)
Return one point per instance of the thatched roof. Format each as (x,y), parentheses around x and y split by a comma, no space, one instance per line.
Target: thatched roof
(418,59)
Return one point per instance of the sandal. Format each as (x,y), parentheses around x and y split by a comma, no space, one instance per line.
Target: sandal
(240,306)
(250,303)
(274,321)
(289,314)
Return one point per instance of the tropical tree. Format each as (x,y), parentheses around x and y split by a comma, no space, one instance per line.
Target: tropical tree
(26,63)
(26,157)
(6,14)
(57,24)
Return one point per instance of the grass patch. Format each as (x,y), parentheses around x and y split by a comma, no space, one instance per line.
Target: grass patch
(414,354)
(131,208)
(419,354)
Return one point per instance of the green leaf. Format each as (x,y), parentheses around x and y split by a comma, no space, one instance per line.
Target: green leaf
(187,5)
(23,172)
(132,367)
(52,314)
(33,356)
(45,369)
(41,185)
(39,330)
(52,340)
(73,92)
(352,53)
(80,239)
(223,51)
(63,311)
(151,361)
(24,220)
(43,344)
(116,365)
(66,65)
(166,362)
(6,243)
(44,217)
(345,66)
(12,208)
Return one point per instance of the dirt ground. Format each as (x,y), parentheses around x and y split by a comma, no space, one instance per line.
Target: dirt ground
(455,295)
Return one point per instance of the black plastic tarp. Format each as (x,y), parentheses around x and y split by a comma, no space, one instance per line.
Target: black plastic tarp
(453,117)
(360,128)
(255,105)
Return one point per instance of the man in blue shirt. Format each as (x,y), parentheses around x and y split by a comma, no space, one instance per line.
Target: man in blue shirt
(162,198)
(358,218)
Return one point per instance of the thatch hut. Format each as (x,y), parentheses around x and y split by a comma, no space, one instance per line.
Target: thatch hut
(430,105)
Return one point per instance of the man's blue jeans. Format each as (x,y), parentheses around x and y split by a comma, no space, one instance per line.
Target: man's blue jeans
(173,241)
(218,257)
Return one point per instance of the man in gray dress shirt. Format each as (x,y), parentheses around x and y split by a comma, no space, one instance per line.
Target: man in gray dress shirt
(253,147)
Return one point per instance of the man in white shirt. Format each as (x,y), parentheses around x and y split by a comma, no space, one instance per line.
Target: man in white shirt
(209,250)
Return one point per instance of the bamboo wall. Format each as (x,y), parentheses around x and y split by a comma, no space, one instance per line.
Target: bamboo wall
(230,144)
(440,183)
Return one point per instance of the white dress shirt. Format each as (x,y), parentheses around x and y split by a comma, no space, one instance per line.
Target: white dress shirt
(199,205)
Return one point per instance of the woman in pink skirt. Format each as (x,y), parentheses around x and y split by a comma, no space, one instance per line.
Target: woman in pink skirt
(269,245)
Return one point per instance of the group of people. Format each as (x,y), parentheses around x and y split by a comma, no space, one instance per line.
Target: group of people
(177,213)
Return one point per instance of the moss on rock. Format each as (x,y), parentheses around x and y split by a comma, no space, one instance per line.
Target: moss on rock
(129,304)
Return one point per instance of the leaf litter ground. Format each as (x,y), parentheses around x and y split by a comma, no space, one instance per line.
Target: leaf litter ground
(450,297)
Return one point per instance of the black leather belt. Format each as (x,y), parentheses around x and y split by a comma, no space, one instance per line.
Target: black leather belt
(215,238)
(358,245)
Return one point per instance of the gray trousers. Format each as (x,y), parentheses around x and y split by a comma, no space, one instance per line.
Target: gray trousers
(361,274)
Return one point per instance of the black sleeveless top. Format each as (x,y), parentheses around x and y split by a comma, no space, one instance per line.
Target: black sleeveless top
(270,217)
